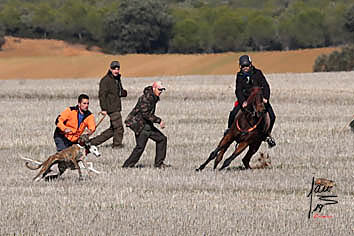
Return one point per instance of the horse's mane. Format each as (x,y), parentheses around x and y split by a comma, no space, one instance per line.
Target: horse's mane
(254,92)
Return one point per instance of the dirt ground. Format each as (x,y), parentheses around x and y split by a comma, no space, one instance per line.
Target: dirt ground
(40,59)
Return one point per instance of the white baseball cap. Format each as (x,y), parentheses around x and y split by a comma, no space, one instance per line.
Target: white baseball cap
(158,85)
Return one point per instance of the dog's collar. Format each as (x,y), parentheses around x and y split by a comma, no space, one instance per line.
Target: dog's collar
(80,146)
(86,148)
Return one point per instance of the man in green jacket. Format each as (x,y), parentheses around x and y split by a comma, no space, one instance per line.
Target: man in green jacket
(110,93)
(141,120)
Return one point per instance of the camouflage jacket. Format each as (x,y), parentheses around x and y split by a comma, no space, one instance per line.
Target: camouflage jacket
(144,112)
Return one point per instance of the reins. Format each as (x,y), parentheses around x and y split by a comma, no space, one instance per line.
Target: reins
(254,126)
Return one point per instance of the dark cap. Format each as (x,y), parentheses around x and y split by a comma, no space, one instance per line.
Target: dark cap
(245,60)
(115,64)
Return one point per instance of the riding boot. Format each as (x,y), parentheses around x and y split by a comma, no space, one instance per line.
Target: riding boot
(231,119)
(232,116)
(268,138)
(226,131)
(270,141)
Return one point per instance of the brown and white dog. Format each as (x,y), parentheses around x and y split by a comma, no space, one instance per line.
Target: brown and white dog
(67,158)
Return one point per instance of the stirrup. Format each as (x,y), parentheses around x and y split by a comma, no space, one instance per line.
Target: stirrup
(270,141)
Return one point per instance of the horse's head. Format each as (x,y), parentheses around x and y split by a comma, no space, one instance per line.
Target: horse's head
(255,101)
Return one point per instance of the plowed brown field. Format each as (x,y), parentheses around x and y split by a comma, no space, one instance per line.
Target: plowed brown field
(39,59)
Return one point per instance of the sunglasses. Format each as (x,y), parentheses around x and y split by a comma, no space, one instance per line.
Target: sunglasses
(243,66)
(115,68)
(161,89)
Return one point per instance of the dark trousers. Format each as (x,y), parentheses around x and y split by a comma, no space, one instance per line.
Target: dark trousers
(141,140)
(116,130)
(61,142)
(268,108)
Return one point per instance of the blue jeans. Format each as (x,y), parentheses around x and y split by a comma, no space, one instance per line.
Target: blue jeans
(61,142)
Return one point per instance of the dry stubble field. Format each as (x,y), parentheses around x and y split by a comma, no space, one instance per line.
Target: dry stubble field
(312,110)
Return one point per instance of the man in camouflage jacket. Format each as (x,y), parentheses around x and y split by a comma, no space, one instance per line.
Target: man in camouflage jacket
(141,120)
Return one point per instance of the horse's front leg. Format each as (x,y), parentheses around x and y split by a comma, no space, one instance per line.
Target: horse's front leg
(240,148)
(212,155)
(251,151)
(222,147)
(219,157)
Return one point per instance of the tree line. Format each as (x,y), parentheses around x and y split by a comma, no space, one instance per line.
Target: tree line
(182,26)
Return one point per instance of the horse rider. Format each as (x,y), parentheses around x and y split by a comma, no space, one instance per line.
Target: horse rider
(248,77)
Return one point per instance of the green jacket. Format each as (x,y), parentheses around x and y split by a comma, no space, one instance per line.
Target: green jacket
(110,92)
(144,112)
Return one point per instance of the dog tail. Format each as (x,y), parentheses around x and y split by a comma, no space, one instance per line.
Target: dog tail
(28,160)
(32,167)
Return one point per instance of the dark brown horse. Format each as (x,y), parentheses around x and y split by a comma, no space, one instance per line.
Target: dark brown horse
(248,130)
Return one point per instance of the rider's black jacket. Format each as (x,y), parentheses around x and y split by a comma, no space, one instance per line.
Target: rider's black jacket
(245,81)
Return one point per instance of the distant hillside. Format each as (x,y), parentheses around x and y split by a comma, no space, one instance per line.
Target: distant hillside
(39,59)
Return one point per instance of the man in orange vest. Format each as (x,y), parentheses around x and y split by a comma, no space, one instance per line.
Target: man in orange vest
(71,123)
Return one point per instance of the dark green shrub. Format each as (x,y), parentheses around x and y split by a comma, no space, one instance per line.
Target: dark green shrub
(336,61)
(321,63)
